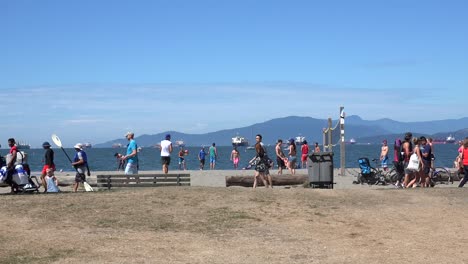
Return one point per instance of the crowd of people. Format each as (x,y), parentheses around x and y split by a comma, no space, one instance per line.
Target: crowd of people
(413,160)
(15,165)
(261,161)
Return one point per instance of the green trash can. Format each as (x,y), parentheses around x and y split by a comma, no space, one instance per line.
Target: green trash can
(320,170)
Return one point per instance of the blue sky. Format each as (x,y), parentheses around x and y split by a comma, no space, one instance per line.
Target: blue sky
(91,70)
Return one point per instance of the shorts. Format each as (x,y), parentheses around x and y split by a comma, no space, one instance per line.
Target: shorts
(202,162)
(304,157)
(80,177)
(212,159)
(44,169)
(131,168)
(235,161)
(280,162)
(292,159)
(427,167)
(165,160)
(181,160)
(385,162)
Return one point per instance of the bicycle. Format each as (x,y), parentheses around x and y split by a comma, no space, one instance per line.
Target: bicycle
(441,175)
(389,176)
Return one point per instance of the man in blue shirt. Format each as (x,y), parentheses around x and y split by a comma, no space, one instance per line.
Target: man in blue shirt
(426,160)
(131,157)
(201,157)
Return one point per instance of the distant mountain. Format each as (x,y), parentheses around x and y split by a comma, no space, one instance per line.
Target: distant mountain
(428,127)
(311,128)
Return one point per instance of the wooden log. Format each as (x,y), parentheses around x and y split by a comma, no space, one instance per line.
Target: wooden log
(278,180)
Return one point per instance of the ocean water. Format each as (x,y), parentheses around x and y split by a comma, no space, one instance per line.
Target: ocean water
(102,159)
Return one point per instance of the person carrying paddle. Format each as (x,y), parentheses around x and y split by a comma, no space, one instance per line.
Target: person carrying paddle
(80,163)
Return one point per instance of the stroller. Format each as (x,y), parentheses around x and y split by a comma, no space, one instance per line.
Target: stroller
(369,174)
(19,179)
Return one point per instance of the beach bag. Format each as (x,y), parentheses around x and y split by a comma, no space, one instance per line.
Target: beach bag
(413,163)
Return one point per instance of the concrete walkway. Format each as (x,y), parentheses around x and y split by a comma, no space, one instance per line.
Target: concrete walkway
(217,178)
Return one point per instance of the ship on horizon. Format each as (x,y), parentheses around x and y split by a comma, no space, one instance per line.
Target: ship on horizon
(116,145)
(180,143)
(299,140)
(239,141)
(450,139)
(22,145)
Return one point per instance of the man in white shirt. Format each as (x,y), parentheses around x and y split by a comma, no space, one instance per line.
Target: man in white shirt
(166,150)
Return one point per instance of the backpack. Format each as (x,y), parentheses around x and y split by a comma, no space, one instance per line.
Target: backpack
(398,147)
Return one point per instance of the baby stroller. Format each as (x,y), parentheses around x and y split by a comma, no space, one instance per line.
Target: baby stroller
(19,179)
(368,174)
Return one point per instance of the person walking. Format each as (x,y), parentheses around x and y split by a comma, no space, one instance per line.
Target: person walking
(398,162)
(11,162)
(80,163)
(260,162)
(235,157)
(292,156)
(280,157)
(131,157)
(304,154)
(416,172)
(201,157)
(407,149)
(464,161)
(166,150)
(213,156)
(48,163)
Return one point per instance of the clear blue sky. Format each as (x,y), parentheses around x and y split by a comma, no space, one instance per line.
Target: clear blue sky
(91,70)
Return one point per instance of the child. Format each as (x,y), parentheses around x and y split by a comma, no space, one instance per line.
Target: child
(52,182)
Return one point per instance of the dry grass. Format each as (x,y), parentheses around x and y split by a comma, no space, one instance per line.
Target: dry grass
(236,225)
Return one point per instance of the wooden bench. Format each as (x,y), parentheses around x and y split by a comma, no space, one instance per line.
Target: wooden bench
(142,180)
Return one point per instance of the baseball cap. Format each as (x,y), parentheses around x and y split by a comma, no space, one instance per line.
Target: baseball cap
(168,136)
(129,133)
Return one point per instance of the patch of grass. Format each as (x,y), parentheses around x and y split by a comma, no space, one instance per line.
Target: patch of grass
(51,255)
(106,223)
(225,218)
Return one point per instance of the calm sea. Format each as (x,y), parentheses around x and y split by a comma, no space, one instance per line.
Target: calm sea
(102,159)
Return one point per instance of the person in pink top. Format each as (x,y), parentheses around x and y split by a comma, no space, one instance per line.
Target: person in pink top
(464,161)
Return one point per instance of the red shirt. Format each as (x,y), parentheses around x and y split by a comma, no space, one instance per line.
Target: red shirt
(465,156)
(13,148)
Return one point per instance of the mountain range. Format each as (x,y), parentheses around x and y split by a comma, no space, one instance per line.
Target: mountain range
(368,131)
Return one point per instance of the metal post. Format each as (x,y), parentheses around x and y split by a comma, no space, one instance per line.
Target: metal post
(342,142)
(324,146)
(330,145)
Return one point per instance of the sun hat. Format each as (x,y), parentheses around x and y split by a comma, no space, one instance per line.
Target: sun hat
(78,146)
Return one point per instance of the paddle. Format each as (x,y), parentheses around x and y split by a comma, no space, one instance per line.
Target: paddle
(58,142)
